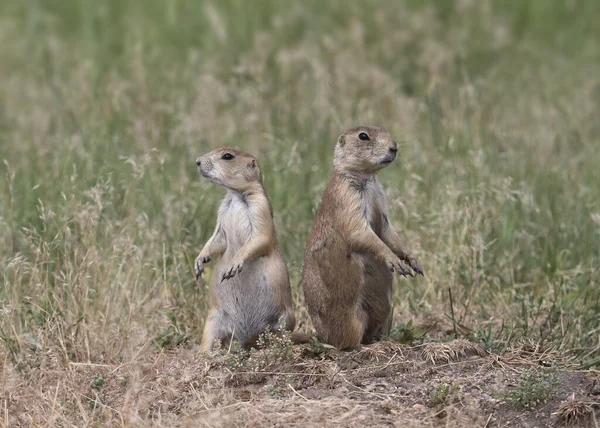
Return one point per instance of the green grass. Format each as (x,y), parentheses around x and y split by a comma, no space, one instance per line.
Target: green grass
(104,107)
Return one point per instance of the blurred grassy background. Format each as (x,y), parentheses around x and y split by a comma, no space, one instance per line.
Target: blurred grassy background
(104,107)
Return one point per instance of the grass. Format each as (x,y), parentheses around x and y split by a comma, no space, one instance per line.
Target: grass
(105,106)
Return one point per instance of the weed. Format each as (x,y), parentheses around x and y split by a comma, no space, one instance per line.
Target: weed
(169,338)
(172,336)
(97,382)
(12,345)
(403,333)
(122,381)
(277,343)
(272,348)
(445,394)
(236,361)
(274,391)
(317,349)
(534,386)
(486,336)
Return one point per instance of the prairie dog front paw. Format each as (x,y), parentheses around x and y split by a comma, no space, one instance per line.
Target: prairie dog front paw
(395,265)
(201,260)
(234,268)
(413,263)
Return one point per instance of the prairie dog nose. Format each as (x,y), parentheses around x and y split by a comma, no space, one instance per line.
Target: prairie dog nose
(394,147)
(198,161)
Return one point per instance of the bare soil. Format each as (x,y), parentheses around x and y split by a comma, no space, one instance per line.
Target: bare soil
(384,384)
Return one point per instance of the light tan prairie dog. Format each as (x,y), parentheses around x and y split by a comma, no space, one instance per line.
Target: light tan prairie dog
(250,286)
(352,249)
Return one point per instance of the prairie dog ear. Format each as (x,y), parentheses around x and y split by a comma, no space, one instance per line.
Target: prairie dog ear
(253,172)
(342,140)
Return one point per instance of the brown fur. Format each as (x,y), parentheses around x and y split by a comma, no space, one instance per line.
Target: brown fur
(250,287)
(352,249)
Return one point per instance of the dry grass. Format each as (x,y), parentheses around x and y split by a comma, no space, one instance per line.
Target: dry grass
(574,412)
(104,108)
(436,351)
(380,385)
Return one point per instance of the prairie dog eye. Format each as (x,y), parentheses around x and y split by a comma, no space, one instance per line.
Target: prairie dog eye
(227,156)
(363,136)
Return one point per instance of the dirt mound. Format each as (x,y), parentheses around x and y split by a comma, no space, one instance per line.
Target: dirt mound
(433,384)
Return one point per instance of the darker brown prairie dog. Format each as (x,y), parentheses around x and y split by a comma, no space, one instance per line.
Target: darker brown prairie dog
(352,249)
(250,287)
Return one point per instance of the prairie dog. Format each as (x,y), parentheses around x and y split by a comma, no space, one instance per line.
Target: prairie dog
(249,288)
(352,249)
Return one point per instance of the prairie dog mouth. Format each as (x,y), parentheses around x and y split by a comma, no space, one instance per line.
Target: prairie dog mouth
(210,178)
(389,158)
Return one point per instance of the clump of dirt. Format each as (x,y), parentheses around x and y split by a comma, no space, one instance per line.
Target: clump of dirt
(450,384)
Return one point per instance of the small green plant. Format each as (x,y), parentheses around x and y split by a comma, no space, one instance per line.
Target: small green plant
(172,336)
(123,381)
(486,337)
(445,394)
(403,333)
(12,345)
(274,391)
(236,361)
(97,382)
(277,344)
(534,387)
(169,338)
(317,349)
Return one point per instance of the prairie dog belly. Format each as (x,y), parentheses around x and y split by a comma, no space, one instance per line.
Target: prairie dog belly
(235,219)
(252,299)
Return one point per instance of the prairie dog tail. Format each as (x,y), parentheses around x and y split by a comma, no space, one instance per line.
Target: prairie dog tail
(299,338)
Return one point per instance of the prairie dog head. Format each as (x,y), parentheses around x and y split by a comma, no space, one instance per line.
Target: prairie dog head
(365,149)
(230,168)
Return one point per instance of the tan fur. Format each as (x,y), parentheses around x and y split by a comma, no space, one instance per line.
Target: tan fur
(250,287)
(352,249)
